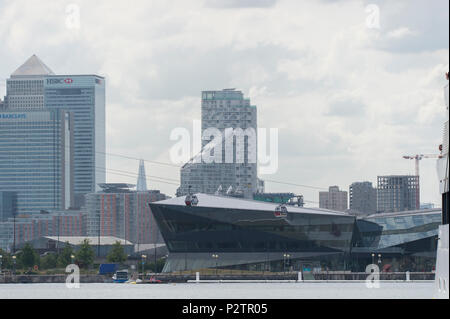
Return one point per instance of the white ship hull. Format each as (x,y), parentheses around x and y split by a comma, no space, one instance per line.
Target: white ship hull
(441,279)
(441,285)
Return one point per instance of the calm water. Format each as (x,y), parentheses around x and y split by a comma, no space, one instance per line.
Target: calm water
(220,291)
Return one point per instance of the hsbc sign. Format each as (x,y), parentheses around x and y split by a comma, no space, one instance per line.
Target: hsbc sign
(59,81)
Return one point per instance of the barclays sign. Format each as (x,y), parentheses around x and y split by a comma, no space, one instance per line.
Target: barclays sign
(12,116)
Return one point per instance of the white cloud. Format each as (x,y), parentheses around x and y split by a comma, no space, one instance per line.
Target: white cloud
(400,33)
(349,101)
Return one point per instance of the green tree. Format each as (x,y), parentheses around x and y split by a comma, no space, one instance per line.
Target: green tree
(155,268)
(49,261)
(28,257)
(6,260)
(85,255)
(64,257)
(117,253)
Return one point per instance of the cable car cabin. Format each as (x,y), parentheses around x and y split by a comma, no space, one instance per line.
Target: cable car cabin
(191,200)
(281,211)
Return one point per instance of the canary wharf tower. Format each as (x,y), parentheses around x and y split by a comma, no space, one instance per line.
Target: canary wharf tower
(34,86)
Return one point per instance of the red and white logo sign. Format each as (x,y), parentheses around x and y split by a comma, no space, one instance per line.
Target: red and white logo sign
(53,81)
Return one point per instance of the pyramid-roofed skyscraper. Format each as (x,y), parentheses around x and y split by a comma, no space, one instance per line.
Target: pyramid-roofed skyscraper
(33,66)
(34,87)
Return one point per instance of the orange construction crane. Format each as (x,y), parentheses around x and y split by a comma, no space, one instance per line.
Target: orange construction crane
(419,157)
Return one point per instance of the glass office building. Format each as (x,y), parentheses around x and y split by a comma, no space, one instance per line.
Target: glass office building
(249,235)
(84,96)
(33,86)
(34,163)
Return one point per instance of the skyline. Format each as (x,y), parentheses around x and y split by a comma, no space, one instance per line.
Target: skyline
(358,126)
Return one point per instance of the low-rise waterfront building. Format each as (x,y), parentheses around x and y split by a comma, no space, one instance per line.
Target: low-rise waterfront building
(253,235)
(399,241)
(100,245)
(47,223)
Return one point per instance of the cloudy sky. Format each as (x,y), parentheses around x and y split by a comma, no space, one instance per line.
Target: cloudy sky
(352,86)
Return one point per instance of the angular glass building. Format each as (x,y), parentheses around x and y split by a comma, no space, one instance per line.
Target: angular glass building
(399,241)
(250,235)
(247,234)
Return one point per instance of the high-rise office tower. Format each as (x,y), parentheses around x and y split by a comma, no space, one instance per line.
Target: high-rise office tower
(398,193)
(25,88)
(36,156)
(363,198)
(235,166)
(33,86)
(334,199)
